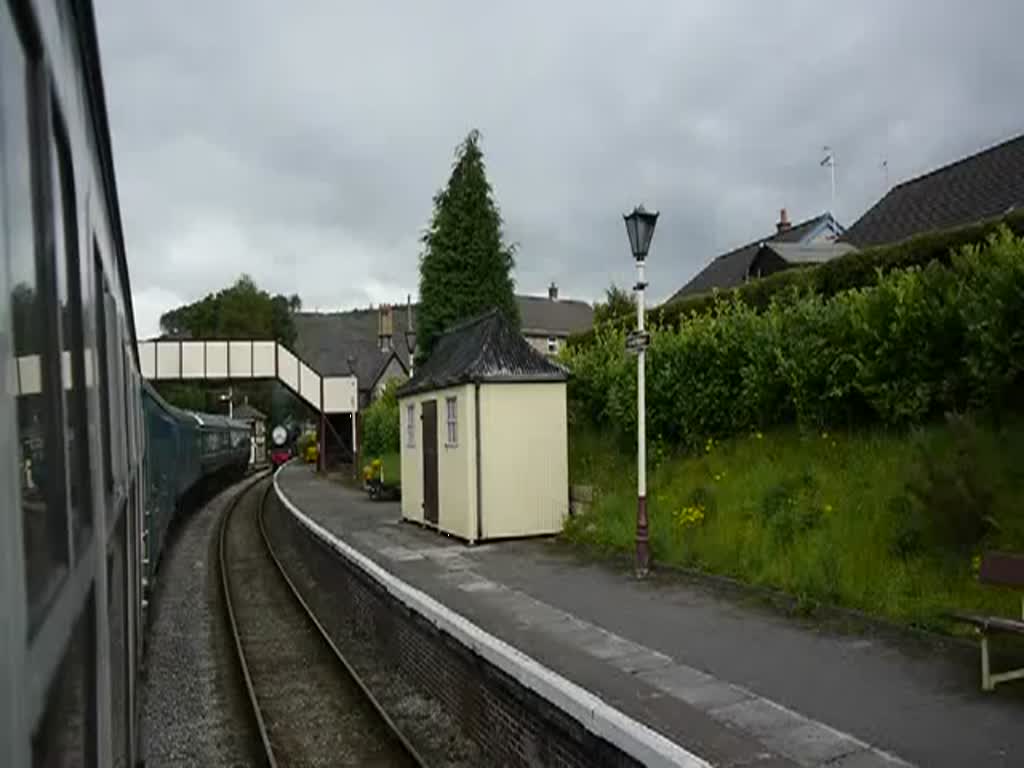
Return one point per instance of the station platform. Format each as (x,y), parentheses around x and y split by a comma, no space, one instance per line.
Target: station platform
(682,670)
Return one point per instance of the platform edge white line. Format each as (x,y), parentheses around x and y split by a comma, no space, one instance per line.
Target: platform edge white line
(600,718)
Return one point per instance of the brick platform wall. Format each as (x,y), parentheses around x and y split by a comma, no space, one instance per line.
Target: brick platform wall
(509,724)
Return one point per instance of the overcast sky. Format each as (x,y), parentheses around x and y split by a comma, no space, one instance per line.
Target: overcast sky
(302,142)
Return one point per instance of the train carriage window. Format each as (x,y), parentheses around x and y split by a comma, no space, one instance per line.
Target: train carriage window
(69,309)
(117,617)
(129,420)
(117,391)
(101,291)
(40,455)
(65,734)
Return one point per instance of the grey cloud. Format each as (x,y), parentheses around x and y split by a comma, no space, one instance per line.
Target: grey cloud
(304,147)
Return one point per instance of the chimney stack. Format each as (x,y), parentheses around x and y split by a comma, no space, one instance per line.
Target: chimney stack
(385,327)
(783,223)
(553,291)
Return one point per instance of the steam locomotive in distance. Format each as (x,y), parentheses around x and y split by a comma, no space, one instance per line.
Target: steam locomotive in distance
(288,440)
(280,445)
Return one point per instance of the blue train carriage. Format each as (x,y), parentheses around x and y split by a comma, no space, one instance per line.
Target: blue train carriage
(171,469)
(187,454)
(225,445)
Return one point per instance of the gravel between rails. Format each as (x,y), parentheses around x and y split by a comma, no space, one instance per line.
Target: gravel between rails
(194,708)
(315,713)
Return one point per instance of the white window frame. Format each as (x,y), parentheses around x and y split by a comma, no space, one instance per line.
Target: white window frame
(552,344)
(410,426)
(451,410)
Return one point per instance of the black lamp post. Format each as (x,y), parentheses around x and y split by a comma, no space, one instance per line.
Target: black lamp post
(640,229)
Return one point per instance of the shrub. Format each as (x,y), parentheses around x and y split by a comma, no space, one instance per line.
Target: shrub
(917,343)
(854,270)
(381,430)
(951,497)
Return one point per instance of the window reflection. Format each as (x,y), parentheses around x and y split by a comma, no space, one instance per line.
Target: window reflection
(67,728)
(40,460)
(69,311)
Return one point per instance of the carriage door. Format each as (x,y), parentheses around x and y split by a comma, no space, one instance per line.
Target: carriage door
(430,461)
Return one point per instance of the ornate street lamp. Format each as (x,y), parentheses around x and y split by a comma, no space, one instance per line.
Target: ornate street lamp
(640,229)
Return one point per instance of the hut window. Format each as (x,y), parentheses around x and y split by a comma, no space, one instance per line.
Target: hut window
(452,406)
(410,426)
(552,344)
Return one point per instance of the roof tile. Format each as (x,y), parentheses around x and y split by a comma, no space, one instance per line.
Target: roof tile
(980,186)
(730,269)
(485,348)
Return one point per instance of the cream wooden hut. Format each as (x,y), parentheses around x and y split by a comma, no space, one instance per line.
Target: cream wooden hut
(484,436)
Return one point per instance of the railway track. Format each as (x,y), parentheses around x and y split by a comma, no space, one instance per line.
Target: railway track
(309,706)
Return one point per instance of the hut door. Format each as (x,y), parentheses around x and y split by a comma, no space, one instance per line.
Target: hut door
(430,461)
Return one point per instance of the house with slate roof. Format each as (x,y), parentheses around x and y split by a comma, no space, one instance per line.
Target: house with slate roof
(372,344)
(548,322)
(985,185)
(816,236)
(484,434)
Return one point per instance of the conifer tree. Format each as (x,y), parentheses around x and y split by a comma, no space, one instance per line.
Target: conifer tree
(465,267)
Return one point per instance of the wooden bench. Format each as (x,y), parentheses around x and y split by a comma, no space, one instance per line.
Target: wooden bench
(1002,569)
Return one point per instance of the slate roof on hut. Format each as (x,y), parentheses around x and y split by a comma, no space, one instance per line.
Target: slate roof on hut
(484,349)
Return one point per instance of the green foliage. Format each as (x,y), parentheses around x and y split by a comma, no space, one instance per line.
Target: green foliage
(917,343)
(949,503)
(854,270)
(618,304)
(813,514)
(391,469)
(242,311)
(381,429)
(188,396)
(304,441)
(465,268)
(791,508)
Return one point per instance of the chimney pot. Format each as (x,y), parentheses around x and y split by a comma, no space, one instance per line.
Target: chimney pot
(553,291)
(385,327)
(783,223)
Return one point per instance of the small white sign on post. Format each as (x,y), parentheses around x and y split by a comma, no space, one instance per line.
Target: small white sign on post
(637,341)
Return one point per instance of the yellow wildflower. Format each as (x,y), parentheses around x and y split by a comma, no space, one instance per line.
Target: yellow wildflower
(690,516)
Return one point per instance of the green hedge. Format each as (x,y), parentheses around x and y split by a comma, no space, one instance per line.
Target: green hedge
(381,431)
(854,270)
(918,342)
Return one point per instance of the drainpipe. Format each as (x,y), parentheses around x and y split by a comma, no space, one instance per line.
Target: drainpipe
(479,473)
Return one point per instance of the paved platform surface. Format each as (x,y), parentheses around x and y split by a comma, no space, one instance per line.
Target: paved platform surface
(720,674)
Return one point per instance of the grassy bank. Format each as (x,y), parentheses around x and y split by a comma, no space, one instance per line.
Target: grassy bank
(889,523)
